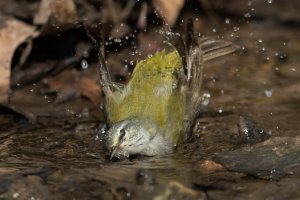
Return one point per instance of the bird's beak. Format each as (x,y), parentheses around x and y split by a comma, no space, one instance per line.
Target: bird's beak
(114,151)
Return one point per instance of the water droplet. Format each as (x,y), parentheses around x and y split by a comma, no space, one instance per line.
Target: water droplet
(270,1)
(86,54)
(269,93)
(84,64)
(174,86)
(227,21)
(117,40)
(281,56)
(272,174)
(96,137)
(291,173)
(205,99)
(236,28)
(220,110)
(16,195)
(246,133)
(247,15)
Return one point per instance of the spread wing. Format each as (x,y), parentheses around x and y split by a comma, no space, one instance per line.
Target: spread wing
(165,88)
(151,94)
(195,51)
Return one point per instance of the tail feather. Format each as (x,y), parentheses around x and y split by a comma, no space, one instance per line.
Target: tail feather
(215,48)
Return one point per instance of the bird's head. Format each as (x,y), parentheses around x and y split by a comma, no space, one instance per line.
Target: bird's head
(129,137)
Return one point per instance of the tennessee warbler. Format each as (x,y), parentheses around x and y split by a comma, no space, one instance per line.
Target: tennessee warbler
(158,107)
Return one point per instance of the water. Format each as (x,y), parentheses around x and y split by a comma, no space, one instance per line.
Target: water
(84,64)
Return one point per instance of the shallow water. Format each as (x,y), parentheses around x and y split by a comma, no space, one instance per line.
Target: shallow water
(64,158)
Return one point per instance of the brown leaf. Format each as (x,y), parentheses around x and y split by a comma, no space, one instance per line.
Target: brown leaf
(120,30)
(63,11)
(12,33)
(90,89)
(70,86)
(43,14)
(168,10)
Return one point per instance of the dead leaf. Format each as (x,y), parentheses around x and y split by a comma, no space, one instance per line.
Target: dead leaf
(69,85)
(168,10)
(23,10)
(63,11)
(120,30)
(27,102)
(90,89)
(12,33)
(34,73)
(43,14)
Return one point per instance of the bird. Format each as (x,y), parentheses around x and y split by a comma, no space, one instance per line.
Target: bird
(156,110)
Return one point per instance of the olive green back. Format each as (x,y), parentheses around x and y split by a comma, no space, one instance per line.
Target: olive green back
(153,94)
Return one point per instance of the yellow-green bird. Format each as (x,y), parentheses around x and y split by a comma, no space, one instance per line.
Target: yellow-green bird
(158,107)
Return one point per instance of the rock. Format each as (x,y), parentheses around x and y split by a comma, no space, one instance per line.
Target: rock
(248,132)
(272,159)
(209,166)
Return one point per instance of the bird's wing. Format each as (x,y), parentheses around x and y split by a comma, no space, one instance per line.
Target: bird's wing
(152,94)
(197,52)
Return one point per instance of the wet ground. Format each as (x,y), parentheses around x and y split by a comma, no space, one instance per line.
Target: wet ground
(63,156)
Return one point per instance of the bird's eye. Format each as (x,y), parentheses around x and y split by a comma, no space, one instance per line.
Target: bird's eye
(122,134)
